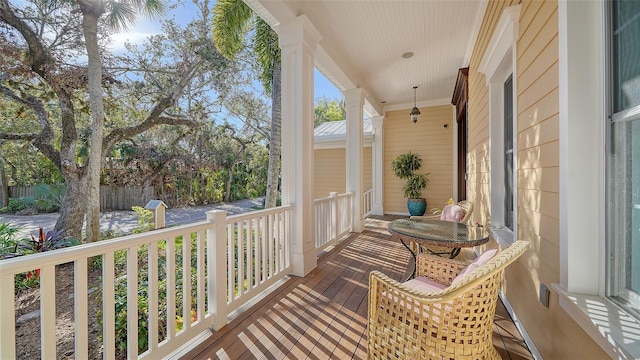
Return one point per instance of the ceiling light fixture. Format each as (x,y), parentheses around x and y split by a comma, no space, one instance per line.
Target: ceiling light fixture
(414,112)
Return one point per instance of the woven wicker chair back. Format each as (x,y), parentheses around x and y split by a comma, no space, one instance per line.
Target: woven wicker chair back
(455,323)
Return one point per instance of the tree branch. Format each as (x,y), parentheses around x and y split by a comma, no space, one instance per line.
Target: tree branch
(41,140)
(40,61)
(156,116)
(141,70)
(18,137)
(38,55)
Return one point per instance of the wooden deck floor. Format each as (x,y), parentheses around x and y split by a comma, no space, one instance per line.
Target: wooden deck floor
(324,315)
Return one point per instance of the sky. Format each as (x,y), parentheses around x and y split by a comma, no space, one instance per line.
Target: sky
(182,13)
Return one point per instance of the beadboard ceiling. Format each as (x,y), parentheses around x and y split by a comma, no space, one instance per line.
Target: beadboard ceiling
(363,42)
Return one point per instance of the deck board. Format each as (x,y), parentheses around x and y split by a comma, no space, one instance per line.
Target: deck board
(324,315)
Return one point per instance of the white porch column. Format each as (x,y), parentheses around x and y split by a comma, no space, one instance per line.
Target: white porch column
(298,40)
(354,103)
(378,165)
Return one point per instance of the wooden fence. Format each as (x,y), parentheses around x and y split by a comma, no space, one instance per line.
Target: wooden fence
(111,197)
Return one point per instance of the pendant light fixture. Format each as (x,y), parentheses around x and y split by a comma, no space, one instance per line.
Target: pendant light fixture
(414,112)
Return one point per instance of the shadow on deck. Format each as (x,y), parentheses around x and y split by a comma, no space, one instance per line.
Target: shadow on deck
(324,315)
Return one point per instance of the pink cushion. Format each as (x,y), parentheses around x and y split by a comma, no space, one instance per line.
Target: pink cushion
(452,213)
(424,284)
(479,261)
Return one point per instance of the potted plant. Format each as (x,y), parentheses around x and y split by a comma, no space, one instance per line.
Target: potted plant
(406,167)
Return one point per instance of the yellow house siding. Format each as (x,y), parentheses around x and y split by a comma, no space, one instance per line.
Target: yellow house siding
(432,142)
(555,334)
(478,115)
(367,168)
(545,108)
(330,171)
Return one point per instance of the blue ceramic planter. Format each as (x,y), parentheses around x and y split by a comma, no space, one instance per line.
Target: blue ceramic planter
(417,207)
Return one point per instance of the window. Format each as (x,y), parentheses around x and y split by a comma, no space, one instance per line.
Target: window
(587,274)
(508,153)
(623,161)
(498,65)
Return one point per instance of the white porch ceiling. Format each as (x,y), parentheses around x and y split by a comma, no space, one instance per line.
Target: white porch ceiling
(363,42)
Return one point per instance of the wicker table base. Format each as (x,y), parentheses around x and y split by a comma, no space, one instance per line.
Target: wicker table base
(436,233)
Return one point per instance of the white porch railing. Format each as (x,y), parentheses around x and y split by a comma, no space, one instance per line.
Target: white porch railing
(261,256)
(367,202)
(206,279)
(334,219)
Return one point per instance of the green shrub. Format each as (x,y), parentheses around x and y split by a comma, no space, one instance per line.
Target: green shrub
(18,204)
(8,241)
(120,259)
(28,280)
(50,240)
(145,219)
(50,197)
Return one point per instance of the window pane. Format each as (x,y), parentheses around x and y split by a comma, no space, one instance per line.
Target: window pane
(634,206)
(508,153)
(626,52)
(623,164)
(624,211)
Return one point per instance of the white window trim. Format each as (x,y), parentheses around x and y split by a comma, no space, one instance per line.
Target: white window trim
(582,69)
(498,63)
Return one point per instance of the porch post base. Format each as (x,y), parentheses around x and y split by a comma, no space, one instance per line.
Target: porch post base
(303,263)
(358,225)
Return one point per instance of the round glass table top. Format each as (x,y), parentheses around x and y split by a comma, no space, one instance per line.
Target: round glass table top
(447,233)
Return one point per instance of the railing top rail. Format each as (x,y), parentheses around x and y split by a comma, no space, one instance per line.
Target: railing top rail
(62,256)
(329,198)
(258,213)
(324,199)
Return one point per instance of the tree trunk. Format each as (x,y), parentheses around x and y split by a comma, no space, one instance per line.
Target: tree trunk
(94,67)
(4,195)
(148,190)
(227,191)
(72,211)
(275,142)
(232,168)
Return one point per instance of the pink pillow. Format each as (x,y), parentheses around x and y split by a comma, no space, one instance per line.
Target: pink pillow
(479,261)
(452,213)
(424,284)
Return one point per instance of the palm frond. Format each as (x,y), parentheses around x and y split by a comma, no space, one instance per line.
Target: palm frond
(231,21)
(267,50)
(123,14)
(153,9)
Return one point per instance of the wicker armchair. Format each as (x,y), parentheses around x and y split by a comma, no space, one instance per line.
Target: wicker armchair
(453,323)
(467,206)
(468,209)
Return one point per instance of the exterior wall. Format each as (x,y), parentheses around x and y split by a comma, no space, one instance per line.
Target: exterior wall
(367,168)
(432,142)
(555,334)
(330,171)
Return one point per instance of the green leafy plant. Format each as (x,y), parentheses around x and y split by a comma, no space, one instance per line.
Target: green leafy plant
(18,204)
(120,295)
(28,280)
(50,240)
(406,167)
(143,312)
(8,241)
(145,219)
(50,197)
